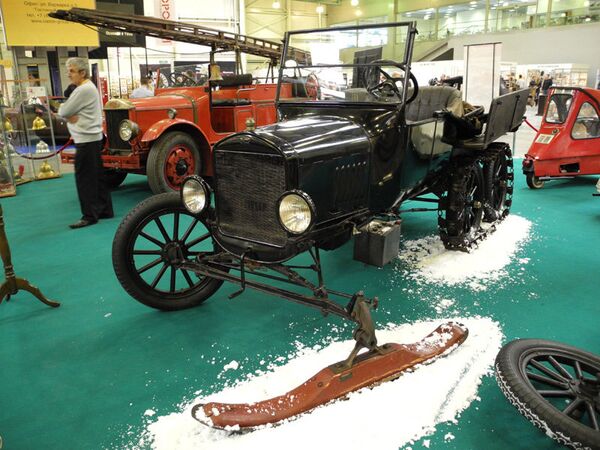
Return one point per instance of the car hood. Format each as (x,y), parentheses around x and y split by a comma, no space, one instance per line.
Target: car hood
(304,138)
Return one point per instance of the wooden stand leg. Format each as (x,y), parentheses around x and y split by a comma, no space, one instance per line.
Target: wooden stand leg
(12,284)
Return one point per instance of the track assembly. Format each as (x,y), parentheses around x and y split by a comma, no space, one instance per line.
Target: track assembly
(376,366)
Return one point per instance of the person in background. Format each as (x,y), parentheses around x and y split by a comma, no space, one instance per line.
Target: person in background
(546,84)
(69,90)
(521,82)
(83,112)
(144,90)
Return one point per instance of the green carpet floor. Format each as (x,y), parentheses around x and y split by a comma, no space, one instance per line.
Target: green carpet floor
(82,376)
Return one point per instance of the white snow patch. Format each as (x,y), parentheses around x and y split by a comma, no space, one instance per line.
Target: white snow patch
(430,262)
(448,437)
(418,400)
(107,314)
(149,412)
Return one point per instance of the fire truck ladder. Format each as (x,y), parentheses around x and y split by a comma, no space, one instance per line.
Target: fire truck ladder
(219,41)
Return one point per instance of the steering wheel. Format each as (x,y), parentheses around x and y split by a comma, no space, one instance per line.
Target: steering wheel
(181,79)
(387,87)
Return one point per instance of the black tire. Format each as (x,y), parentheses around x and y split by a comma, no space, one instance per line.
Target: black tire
(534,182)
(461,209)
(173,157)
(542,395)
(113,177)
(498,174)
(143,245)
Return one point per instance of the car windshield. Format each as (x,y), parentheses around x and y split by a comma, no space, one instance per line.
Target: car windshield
(360,64)
(558,108)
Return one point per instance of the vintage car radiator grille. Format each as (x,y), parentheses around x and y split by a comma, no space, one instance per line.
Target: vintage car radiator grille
(248,187)
(113,119)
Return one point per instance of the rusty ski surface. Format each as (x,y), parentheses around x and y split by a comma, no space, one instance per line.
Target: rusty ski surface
(333,382)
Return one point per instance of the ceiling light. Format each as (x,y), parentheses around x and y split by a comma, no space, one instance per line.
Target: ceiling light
(587,19)
(408,14)
(358,12)
(320,9)
(473,2)
(586,3)
(354,2)
(276,4)
(505,4)
(426,17)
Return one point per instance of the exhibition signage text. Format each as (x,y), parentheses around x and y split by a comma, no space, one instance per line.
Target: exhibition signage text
(26,23)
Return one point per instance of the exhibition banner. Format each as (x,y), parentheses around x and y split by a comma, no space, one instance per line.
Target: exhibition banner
(26,23)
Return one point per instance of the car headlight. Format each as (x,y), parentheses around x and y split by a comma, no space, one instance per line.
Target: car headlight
(128,130)
(195,194)
(296,212)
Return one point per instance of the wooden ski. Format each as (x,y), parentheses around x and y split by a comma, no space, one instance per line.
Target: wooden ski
(333,382)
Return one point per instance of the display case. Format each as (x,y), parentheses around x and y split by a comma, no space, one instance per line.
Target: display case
(33,120)
(7,179)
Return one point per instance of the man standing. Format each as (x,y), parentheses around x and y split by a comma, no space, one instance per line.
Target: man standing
(83,112)
(144,90)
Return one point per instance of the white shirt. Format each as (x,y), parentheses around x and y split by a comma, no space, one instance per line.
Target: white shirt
(142,92)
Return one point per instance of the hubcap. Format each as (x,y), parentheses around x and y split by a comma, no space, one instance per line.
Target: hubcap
(179,164)
(173,253)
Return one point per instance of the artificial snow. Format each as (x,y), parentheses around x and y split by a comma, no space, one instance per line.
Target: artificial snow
(233,365)
(430,262)
(391,415)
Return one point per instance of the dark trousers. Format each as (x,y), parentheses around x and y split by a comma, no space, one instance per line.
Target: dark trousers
(94,195)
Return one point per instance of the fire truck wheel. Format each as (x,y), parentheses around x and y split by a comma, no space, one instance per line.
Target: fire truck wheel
(534,182)
(113,178)
(173,157)
(147,250)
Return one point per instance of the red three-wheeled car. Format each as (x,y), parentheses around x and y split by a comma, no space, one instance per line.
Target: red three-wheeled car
(568,141)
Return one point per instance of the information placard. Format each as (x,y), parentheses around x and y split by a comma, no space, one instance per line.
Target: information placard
(26,23)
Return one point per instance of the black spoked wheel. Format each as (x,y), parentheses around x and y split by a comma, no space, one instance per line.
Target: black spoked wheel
(556,387)
(499,180)
(534,182)
(148,247)
(461,210)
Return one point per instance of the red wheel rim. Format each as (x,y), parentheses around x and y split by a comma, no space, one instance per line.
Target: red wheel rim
(180,163)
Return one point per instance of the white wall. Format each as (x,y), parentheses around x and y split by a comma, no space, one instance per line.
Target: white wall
(566,44)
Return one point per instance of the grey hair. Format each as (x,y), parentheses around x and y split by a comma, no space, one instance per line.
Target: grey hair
(80,64)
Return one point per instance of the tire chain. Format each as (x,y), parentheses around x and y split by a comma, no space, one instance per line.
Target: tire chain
(459,181)
(526,412)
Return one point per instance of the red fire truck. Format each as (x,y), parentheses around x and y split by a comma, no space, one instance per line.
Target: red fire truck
(171,135)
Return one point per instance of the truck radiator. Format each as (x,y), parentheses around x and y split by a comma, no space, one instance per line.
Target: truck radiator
(113,119)
(248,187)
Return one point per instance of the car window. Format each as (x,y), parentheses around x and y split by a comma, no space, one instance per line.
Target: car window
(587,124)
(558,108)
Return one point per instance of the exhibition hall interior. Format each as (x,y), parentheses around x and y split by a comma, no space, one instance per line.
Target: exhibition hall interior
(299,224)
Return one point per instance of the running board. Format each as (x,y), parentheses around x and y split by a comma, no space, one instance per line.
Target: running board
(386,363)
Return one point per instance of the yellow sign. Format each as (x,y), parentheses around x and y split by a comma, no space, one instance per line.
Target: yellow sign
(26,23)
(7,63)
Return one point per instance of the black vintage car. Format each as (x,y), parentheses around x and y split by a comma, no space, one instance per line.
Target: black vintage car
(335,166)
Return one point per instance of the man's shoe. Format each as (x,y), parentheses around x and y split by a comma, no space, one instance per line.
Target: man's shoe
(82,223)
